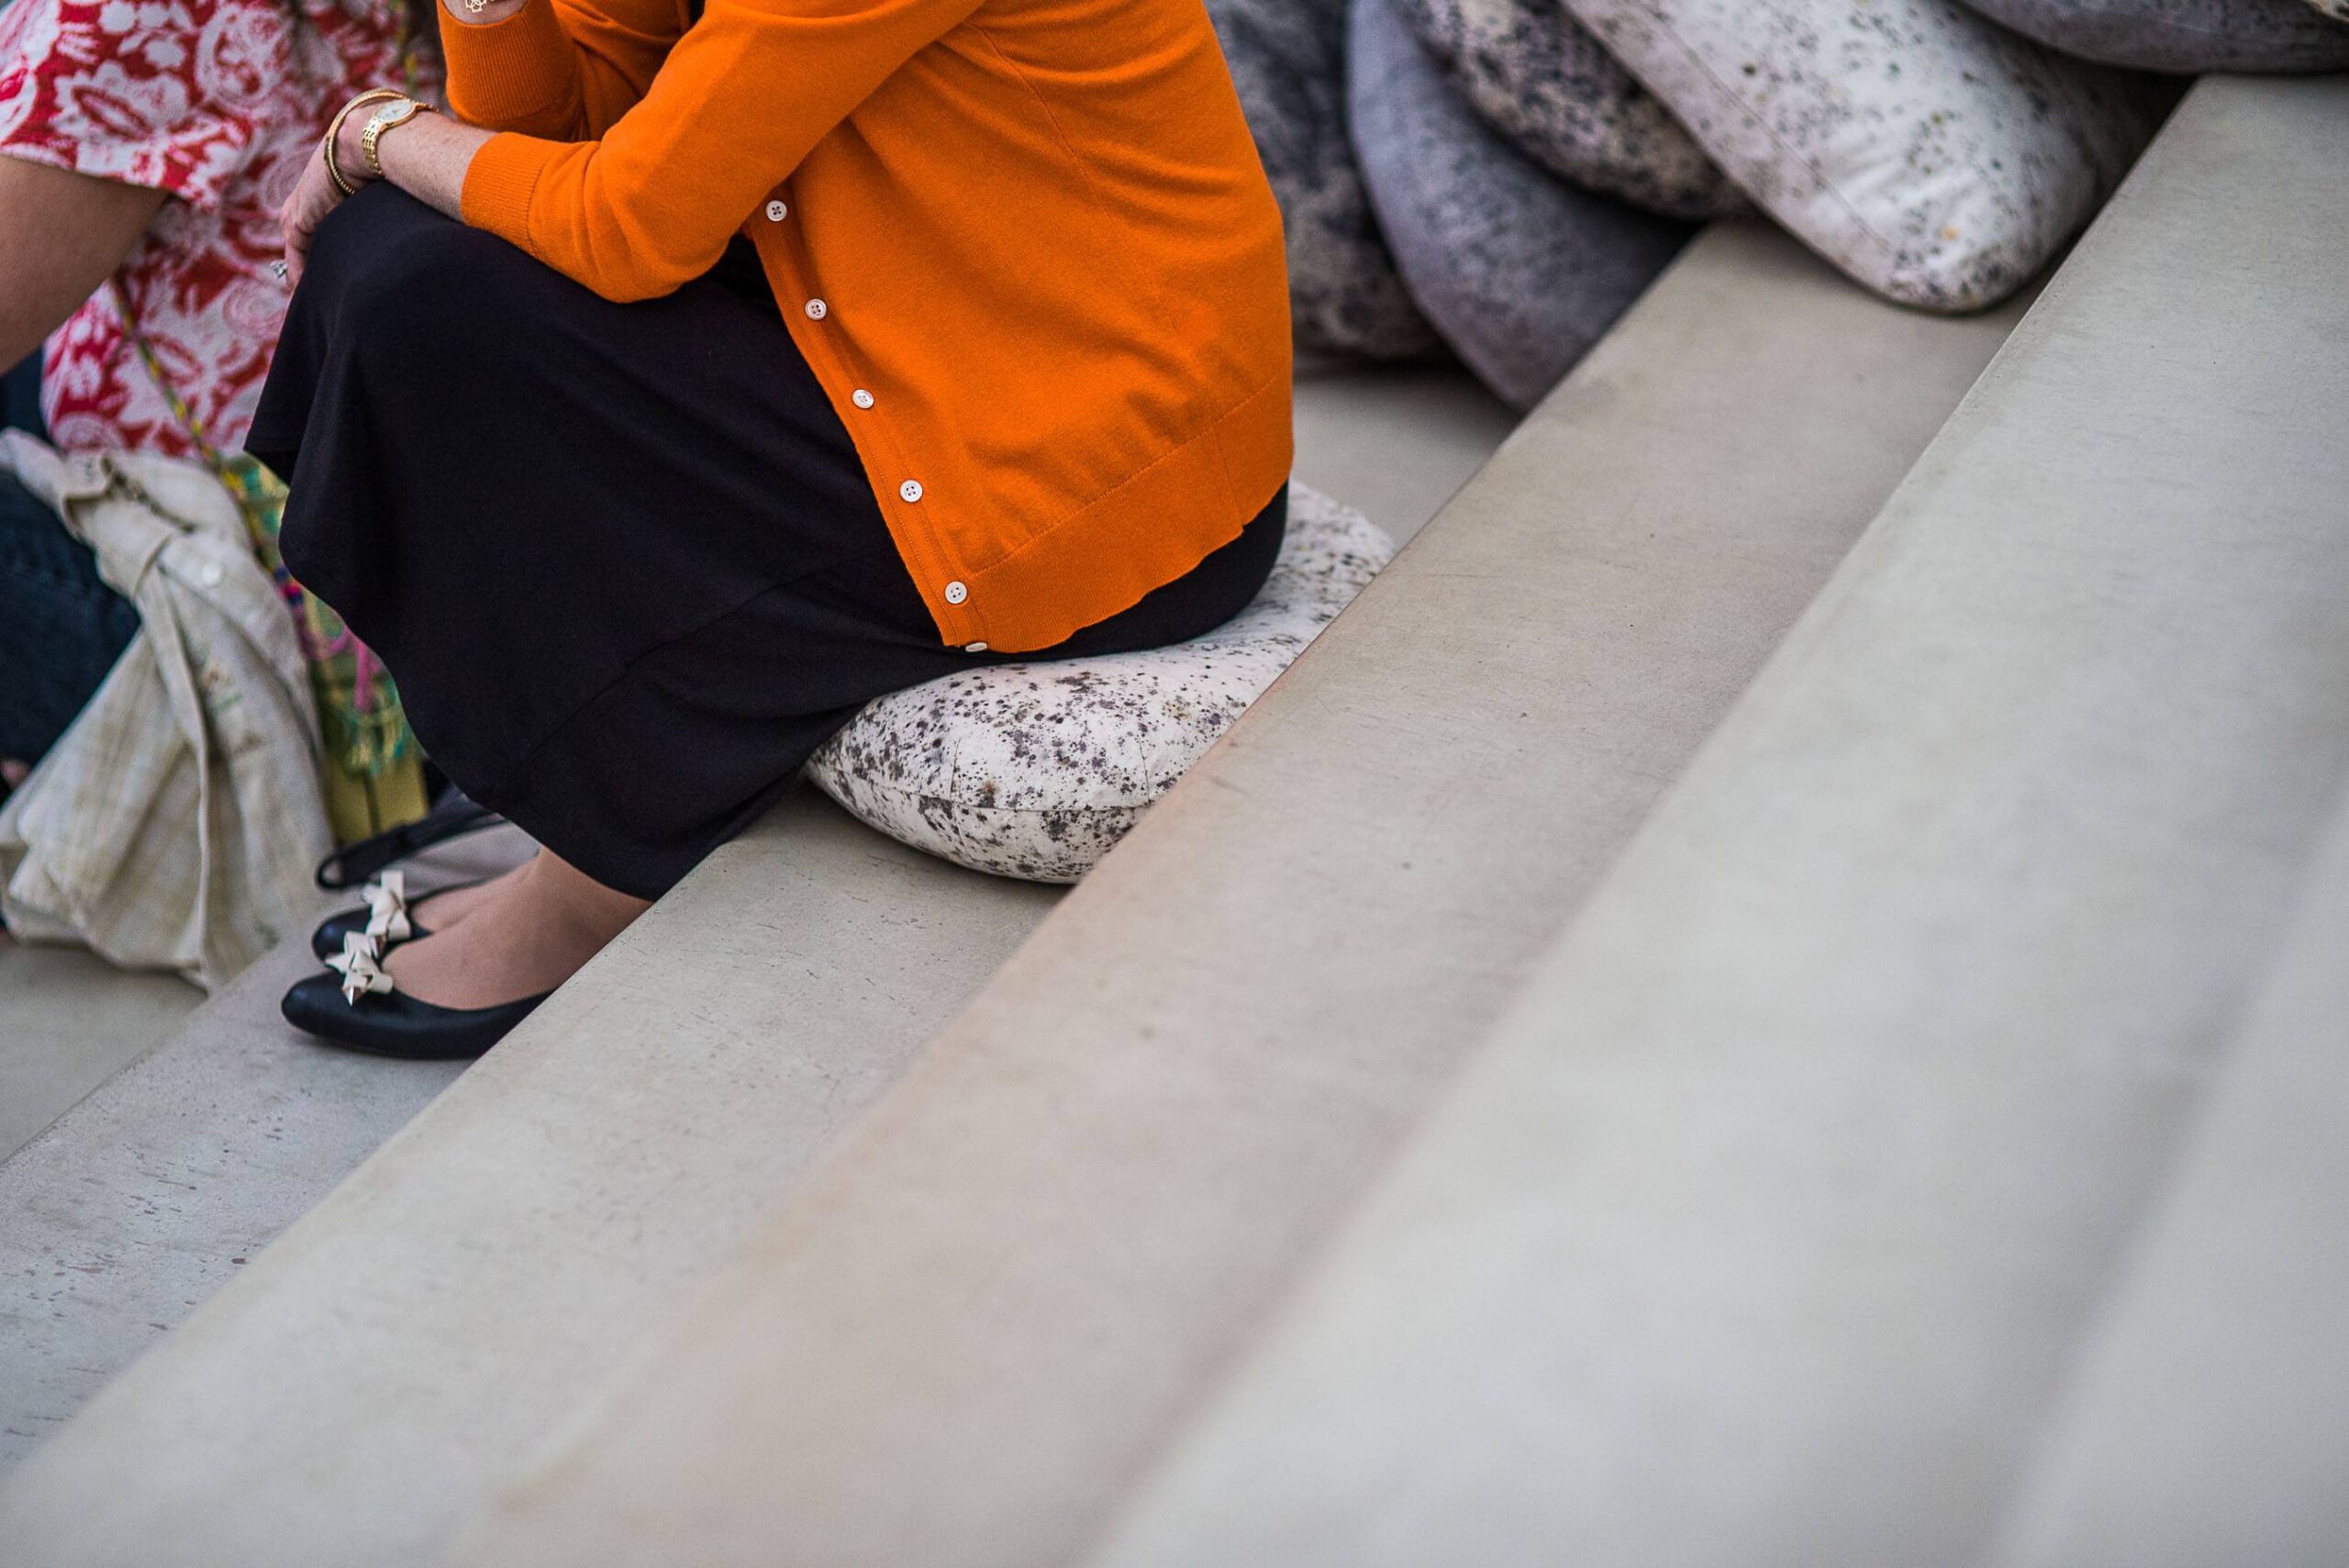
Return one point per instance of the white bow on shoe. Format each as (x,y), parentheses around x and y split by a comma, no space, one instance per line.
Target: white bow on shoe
(361,974)
(387,909)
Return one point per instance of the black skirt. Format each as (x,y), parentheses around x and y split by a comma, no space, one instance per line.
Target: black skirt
(623,560)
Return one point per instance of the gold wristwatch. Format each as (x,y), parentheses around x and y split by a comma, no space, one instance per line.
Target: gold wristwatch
(398,111)
(334,134)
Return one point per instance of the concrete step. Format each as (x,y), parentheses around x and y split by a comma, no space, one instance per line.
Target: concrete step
(364,1378)
(961,1338)
(2202,1421)
(1394,441)
(447,1303)
(1774,1221)
(156,1189)
(68,1023)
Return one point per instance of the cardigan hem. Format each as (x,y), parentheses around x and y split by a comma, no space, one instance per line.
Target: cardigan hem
(1058,582)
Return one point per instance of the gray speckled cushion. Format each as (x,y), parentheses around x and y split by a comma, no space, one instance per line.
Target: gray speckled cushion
(1520,271)
(1288,61)
(2180,35)
(1035,770)
(1538,77)
(1937,158)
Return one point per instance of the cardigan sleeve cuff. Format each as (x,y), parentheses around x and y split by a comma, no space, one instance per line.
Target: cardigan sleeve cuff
(511,71)
(500,183)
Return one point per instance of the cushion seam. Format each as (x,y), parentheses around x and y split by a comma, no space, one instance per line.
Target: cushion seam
(904,794)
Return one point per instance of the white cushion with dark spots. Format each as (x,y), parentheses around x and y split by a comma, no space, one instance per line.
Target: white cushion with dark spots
(2181,35)
(1936,158)
(1035,770)
(1537,76)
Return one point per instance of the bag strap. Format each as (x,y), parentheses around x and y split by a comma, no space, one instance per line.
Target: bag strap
(188,422)
(248,483)
(453,817)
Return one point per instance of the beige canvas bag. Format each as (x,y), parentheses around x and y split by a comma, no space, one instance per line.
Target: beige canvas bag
(175,824)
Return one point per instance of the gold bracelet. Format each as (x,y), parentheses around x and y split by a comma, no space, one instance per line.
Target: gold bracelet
(334,134)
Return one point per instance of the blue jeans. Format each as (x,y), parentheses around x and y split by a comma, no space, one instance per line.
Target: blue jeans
(20,392)
(61,629)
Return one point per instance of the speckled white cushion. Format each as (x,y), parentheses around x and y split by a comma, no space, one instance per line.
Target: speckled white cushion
(2181,35)
(1035,770)
(1936,158)
(1539,77)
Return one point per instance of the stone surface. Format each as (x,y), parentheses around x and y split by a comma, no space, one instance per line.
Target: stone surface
(1396,441)
(961,1340)
(154,1191)
(2205,1422)
(444,1308)
(1521,272)
(1540,79)
(1288,61)
(1935,158)
(2179,35)
(1768,1227)
(69,1022)
(1037,770)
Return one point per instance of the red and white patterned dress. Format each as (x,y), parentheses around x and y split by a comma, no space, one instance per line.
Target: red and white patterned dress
(218,103)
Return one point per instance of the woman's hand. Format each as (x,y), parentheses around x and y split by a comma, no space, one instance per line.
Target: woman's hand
(427,156)
(313,196)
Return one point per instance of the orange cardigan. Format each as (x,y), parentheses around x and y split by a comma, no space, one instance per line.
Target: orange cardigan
(1026,245)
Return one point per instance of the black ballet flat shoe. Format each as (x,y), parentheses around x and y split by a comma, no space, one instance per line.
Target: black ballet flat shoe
(386,906)
(385,1023)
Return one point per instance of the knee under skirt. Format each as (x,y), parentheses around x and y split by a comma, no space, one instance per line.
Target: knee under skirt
(623,560)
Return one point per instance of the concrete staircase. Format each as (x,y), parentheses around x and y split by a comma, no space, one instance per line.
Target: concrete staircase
(162,1168)
(1437,1135)
(171,1178)
(1402,786)
(966,1333)
(1775,1223)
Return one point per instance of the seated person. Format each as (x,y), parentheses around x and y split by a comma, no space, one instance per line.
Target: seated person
(148,147)
(698,380)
